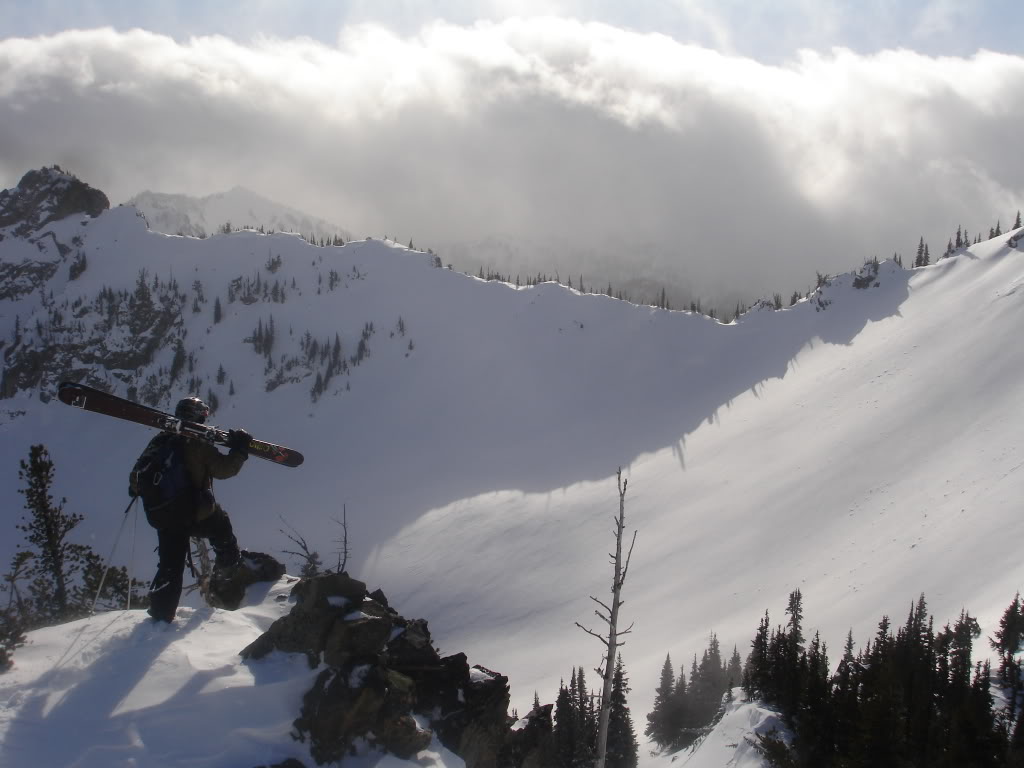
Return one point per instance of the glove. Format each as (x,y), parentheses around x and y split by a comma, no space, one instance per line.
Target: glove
(238,440)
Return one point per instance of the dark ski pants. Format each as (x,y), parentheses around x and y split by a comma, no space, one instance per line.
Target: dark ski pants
(172,550)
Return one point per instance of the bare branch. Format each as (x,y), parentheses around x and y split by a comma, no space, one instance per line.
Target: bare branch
(592,633)
(601,604)
(343,541)
(629,556)
(310,559)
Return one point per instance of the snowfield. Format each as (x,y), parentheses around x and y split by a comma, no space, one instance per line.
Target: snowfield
(863,446)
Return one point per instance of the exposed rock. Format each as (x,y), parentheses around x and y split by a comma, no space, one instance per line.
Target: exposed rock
(313,595)
(384,679)
(485,720)
(228,585)
(360,636)
(867,275)
(320,603)
(360,702)
(45,195)
(17,280)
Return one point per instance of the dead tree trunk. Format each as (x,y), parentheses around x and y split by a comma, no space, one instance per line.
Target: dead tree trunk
(610,616)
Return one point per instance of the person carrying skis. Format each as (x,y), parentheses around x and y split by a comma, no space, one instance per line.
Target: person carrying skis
(194,512)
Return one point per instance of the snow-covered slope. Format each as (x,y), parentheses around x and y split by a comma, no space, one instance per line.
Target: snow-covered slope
(863,446)
(117,690)
(239,207)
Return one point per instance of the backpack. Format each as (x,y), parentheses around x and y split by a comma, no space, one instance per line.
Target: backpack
(163,482)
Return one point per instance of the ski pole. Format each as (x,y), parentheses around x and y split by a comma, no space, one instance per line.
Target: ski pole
(131,560)
(113,549)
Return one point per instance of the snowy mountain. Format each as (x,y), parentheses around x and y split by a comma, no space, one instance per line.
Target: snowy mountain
(863,445)
(238,207)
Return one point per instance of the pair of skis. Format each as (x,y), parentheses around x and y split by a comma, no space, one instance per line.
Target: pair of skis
(98,401)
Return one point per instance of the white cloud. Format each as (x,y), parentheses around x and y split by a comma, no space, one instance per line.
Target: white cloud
(642,155)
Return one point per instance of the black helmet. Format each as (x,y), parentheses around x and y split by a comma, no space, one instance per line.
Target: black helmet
(192,409)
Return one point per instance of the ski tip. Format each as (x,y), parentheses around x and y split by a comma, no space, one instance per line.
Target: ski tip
(288,459)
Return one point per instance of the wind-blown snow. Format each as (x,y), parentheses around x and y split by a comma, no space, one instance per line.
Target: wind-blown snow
(866,452)
(118,690)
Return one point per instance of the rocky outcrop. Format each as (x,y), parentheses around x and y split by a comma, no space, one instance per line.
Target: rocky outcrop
(42,197)
(384,686)
(46,195)
(227,586)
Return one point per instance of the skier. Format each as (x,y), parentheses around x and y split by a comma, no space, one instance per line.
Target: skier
(202,516)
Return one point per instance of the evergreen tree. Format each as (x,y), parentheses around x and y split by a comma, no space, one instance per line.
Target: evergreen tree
(622,747)
(55,562)
(678,716)
(845,685)
(1007,642)
(659,722)
(707,684)
(179,360)
(565,732)
(12,636)
(909,699)
(16,613)
(923,258)
(734,672)
(814,706)
(1016,222)
(586,717)
(757,673)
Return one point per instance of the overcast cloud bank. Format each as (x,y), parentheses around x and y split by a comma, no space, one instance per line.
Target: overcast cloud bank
(567,146)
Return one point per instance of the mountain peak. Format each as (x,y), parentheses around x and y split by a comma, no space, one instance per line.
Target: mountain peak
(176,214)
(45,195)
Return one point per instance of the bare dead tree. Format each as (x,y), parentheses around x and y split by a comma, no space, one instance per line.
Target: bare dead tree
(343,541)
(610,616)
(311,563)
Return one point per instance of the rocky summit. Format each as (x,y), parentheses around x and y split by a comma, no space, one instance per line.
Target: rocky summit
(46,195)
(383,683)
